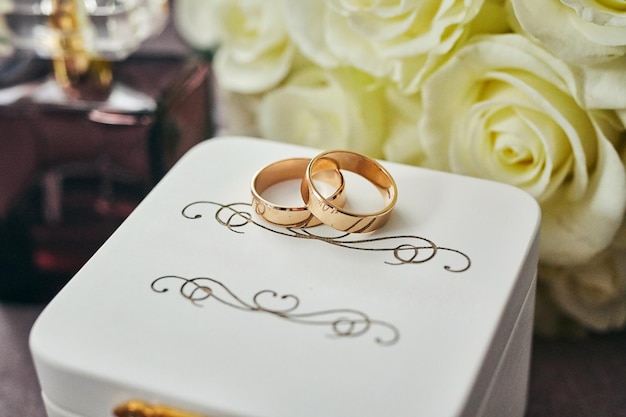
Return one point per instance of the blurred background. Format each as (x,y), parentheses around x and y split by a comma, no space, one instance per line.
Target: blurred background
(98,99)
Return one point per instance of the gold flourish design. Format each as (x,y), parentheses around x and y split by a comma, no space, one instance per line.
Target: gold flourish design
(406,249)
(343,322)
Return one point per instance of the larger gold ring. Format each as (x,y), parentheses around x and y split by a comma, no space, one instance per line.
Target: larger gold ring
(338,217)
(292,169)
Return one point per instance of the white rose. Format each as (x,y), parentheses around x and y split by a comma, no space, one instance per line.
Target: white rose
(324,109)
(593,294)
(193,21)
(403,113)
(402,40)
(255,52)
(584,32)
(504,108)
(590,34)
(306,26)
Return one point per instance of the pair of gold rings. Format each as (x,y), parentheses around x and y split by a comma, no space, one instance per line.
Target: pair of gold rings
(317,208)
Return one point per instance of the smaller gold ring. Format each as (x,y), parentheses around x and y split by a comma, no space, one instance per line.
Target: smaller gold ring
(338,217)
(292,169)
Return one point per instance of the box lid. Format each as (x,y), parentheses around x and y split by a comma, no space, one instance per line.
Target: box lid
(196,302)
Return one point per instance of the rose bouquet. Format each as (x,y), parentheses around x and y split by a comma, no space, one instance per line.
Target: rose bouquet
(530,93)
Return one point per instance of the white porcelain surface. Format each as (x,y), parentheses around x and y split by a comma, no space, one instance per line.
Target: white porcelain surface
(109,336)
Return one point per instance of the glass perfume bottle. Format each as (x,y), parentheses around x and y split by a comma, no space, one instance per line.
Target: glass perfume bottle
(85,146)
(82,37)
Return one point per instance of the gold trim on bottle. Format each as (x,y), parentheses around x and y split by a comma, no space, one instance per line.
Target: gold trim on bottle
(81,75)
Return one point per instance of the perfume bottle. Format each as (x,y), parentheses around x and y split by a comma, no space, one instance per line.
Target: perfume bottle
(82,37)
(85,146)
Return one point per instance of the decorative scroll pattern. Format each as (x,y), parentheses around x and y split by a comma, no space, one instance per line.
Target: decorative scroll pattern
(406,249)
(343,323)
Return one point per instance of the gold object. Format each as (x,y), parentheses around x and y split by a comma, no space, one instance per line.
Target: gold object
(81,75)
(289,169)
(334,215)
(136,408)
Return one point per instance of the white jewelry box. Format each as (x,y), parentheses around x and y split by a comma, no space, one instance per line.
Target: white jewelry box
(196,304)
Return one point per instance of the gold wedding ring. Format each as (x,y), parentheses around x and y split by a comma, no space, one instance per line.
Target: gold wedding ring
(293,169)
(333,214)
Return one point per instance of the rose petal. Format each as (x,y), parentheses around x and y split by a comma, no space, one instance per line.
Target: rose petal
(344,42)
(251,28)
(592,221)
(492,18)
(603,12)
(254,76)
(305,23)
(602,34)
(380,8)
(192,19)
(604,85)
(377,29)
(554,24)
